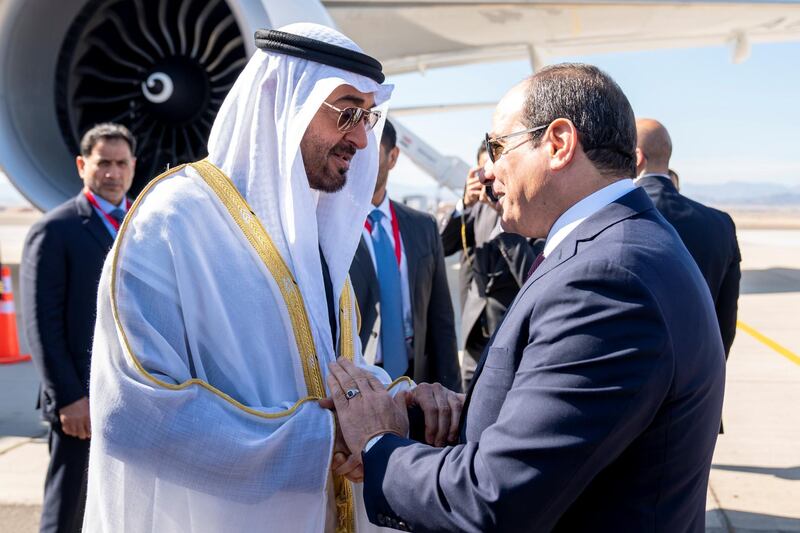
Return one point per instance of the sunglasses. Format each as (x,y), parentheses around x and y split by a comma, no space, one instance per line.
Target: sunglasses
(496,149)
(350,117)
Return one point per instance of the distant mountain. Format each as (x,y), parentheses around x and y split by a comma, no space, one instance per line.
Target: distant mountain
(744,194)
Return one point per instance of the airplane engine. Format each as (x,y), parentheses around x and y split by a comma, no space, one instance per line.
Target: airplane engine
(160,67)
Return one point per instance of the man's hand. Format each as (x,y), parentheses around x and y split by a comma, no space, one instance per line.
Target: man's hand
(344,463)
(484,198)
(442,409)
(75,419)
(372,411)
(473,189)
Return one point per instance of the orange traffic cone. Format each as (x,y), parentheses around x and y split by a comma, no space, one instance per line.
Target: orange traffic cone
(9,344)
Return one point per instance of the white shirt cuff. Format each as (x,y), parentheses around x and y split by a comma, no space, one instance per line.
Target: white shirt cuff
(371,442)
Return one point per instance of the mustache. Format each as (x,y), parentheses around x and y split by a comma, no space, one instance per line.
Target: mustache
(344,148)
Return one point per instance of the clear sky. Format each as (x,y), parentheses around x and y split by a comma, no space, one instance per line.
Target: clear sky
(728,122)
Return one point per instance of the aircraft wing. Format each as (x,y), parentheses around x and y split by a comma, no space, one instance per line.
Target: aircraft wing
(415,35)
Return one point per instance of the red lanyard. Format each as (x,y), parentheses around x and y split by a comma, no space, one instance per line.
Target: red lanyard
(111,220)
(395,232)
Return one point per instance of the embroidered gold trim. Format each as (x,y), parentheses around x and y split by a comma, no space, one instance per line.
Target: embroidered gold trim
(346,345)
(126,343)
(345,506)
(398,381)
(258,238)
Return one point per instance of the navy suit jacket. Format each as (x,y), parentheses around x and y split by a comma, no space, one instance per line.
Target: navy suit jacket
(595,407)
(710,236)
(61,264)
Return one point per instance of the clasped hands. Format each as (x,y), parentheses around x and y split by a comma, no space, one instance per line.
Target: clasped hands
(372,411)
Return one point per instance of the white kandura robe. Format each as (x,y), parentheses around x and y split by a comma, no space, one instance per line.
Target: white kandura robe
(188,458)
(195,387)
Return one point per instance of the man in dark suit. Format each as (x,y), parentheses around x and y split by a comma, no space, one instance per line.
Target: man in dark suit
(709,234)
(61,265)
(597,403)
(414,325)
(493,265)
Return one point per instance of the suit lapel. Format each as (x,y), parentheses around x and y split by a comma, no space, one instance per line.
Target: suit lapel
(410,246)
(485,222)
(363,262)
(632,203)
(91,221)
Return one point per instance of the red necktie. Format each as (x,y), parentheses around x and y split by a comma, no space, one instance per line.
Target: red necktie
(538,261)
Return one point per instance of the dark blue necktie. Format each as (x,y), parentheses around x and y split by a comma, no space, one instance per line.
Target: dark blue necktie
(118,215)
(393,343)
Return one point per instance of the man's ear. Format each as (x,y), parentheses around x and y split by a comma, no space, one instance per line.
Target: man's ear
(391,161)
(640,158)
(80,162)
(562,138)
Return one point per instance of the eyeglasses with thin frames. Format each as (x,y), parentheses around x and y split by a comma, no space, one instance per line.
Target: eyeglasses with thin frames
(350,117)
(496,149)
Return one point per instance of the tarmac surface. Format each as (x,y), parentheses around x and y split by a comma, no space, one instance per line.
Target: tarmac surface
(755,476)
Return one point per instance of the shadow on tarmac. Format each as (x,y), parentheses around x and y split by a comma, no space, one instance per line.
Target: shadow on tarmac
(792,473)
(741,521)
(770,280)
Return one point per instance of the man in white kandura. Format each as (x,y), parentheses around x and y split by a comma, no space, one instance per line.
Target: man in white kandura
(216,317)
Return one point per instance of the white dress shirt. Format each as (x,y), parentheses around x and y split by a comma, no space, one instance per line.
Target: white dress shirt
(386,222)
(572,217)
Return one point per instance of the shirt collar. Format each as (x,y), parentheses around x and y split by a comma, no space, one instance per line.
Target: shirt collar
(107,206)
(572,217)
(384,207)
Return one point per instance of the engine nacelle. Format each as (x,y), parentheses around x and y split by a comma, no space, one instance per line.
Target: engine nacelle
(160,67)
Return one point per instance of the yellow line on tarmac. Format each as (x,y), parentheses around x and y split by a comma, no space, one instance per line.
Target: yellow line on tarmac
(769,342)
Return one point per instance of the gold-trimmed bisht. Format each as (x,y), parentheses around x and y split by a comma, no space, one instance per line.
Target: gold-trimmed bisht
(259,239)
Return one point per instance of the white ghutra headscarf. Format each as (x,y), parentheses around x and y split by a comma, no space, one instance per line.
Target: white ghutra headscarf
(256,141)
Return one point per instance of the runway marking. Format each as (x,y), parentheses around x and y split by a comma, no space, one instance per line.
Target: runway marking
(788,354)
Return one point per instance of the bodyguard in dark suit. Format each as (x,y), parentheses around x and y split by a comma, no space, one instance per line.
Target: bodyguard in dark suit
(493,265)
(597,403)
(428,344)
(709,234)
(61,265)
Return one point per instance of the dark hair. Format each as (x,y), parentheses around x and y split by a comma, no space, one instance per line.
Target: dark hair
(481,150)
(595,104)
(106,131)
(389,136)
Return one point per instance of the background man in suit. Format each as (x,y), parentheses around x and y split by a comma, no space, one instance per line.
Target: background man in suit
(493,265)
(399,279)
(61,265)
(709,234)
(597,403)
